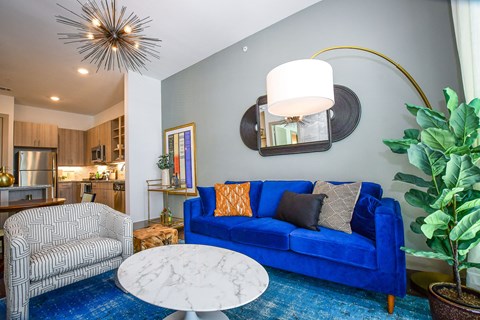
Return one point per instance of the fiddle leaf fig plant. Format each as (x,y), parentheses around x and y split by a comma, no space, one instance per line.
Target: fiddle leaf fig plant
(444,151)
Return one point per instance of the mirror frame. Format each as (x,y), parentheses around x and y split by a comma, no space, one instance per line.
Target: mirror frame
(292,148)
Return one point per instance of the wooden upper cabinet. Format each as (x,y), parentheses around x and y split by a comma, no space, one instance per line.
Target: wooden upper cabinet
(28,134)
(71,147)
(99,135)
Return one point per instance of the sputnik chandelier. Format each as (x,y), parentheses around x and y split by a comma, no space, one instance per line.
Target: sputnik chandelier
(110,40)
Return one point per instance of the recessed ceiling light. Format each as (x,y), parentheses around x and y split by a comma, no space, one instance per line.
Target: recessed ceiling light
(53,98)
(82,71)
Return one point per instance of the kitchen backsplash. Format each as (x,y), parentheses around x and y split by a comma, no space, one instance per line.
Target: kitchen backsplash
(80,173)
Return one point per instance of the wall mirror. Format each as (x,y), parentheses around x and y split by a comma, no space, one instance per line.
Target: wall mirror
(279,135)
(273,135)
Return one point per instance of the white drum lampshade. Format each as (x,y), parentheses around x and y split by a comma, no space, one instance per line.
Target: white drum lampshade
(300,88)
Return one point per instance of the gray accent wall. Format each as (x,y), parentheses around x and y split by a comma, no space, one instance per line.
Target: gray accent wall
(216,92)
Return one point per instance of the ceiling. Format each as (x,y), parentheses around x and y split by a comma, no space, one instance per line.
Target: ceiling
(35,64)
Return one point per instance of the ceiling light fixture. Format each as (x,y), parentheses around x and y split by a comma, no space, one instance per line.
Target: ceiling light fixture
(54,98)
(110,39)
(83,71)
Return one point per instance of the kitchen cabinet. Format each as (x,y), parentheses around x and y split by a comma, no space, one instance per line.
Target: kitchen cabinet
(99,135)
(71,147)
(104,193)
(69,191)
(40,135)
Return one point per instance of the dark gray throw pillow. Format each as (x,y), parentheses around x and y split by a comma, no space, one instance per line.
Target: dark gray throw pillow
(301,210)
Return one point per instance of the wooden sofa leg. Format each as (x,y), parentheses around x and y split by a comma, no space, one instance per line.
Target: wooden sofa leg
(390,303)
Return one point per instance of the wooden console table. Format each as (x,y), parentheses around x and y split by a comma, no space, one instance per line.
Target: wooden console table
(19,205)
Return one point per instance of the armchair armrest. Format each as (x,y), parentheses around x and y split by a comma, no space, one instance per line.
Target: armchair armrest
(389,238)
(117,225)
(17,267)
(191,208)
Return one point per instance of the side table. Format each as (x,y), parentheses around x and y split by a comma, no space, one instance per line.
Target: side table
(155,185)
(154,236)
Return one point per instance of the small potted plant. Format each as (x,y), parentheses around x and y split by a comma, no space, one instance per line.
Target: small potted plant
(165,164)
(444,149)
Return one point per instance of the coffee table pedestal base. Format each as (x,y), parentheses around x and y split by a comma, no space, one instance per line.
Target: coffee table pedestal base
(192,315)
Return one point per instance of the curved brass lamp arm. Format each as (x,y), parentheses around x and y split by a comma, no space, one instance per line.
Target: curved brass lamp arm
(399,67)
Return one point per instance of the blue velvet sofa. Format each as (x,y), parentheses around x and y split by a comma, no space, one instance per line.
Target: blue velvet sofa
(370,258)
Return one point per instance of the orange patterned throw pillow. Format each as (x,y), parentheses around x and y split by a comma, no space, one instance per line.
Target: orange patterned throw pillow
(233,200)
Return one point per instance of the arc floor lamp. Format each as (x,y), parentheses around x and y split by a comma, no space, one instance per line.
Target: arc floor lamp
(304,87)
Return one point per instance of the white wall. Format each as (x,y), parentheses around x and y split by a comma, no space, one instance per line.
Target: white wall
(7,106)
(113,112)
(67,120)
(143,119)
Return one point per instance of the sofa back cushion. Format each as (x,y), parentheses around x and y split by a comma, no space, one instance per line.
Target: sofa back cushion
(371,188)
(208,199)
(363,219)
(49,227)
(255,192)
(272,192)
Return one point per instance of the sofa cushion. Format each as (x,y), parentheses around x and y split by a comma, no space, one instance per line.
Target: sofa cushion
(363,220)
(232,200)
(207,197)
(72,255)
(272,192)
(371,188)
(217,227)
(263,232)
(301,210)
(338,207)
(255,192)
(352,249)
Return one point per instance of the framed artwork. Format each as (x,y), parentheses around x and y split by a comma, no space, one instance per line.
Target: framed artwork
(179,143)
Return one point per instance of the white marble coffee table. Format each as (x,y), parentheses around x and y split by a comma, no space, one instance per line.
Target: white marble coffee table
(197,280)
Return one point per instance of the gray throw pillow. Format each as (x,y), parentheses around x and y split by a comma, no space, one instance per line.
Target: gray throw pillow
(338,207)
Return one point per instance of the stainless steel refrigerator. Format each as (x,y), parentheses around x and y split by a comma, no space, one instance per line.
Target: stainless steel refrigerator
(37,168)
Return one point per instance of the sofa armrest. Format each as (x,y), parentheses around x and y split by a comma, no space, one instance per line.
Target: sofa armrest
(390,236)
(191,208)
(117,225)
(17,267)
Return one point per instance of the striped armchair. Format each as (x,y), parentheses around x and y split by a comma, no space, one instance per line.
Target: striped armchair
(51,247)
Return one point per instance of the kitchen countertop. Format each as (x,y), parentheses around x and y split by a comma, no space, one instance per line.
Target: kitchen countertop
(43,186)
(87,181)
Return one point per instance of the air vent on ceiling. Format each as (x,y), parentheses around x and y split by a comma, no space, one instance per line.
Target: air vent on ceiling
(5,89)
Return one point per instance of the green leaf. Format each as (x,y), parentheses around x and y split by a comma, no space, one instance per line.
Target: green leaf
(414,110)
(458,150)
(399,145)
(420,199)
(446,197)
(412,134)
(426,119)
(451,98)
(465,246)
(431,162)
(461,172)
(466,228)
(440,246)
(410,178)
(427,254)
(475,103)
(416,225)
(438,220)
(438,139)
(469,205)
(465,123)
(466,265)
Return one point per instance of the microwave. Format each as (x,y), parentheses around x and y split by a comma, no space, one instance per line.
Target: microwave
(98,154)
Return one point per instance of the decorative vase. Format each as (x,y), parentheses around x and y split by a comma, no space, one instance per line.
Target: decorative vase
(165,177)
(443,308)
(6,179)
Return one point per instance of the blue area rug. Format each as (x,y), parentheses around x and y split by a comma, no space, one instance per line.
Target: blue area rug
(289,296)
